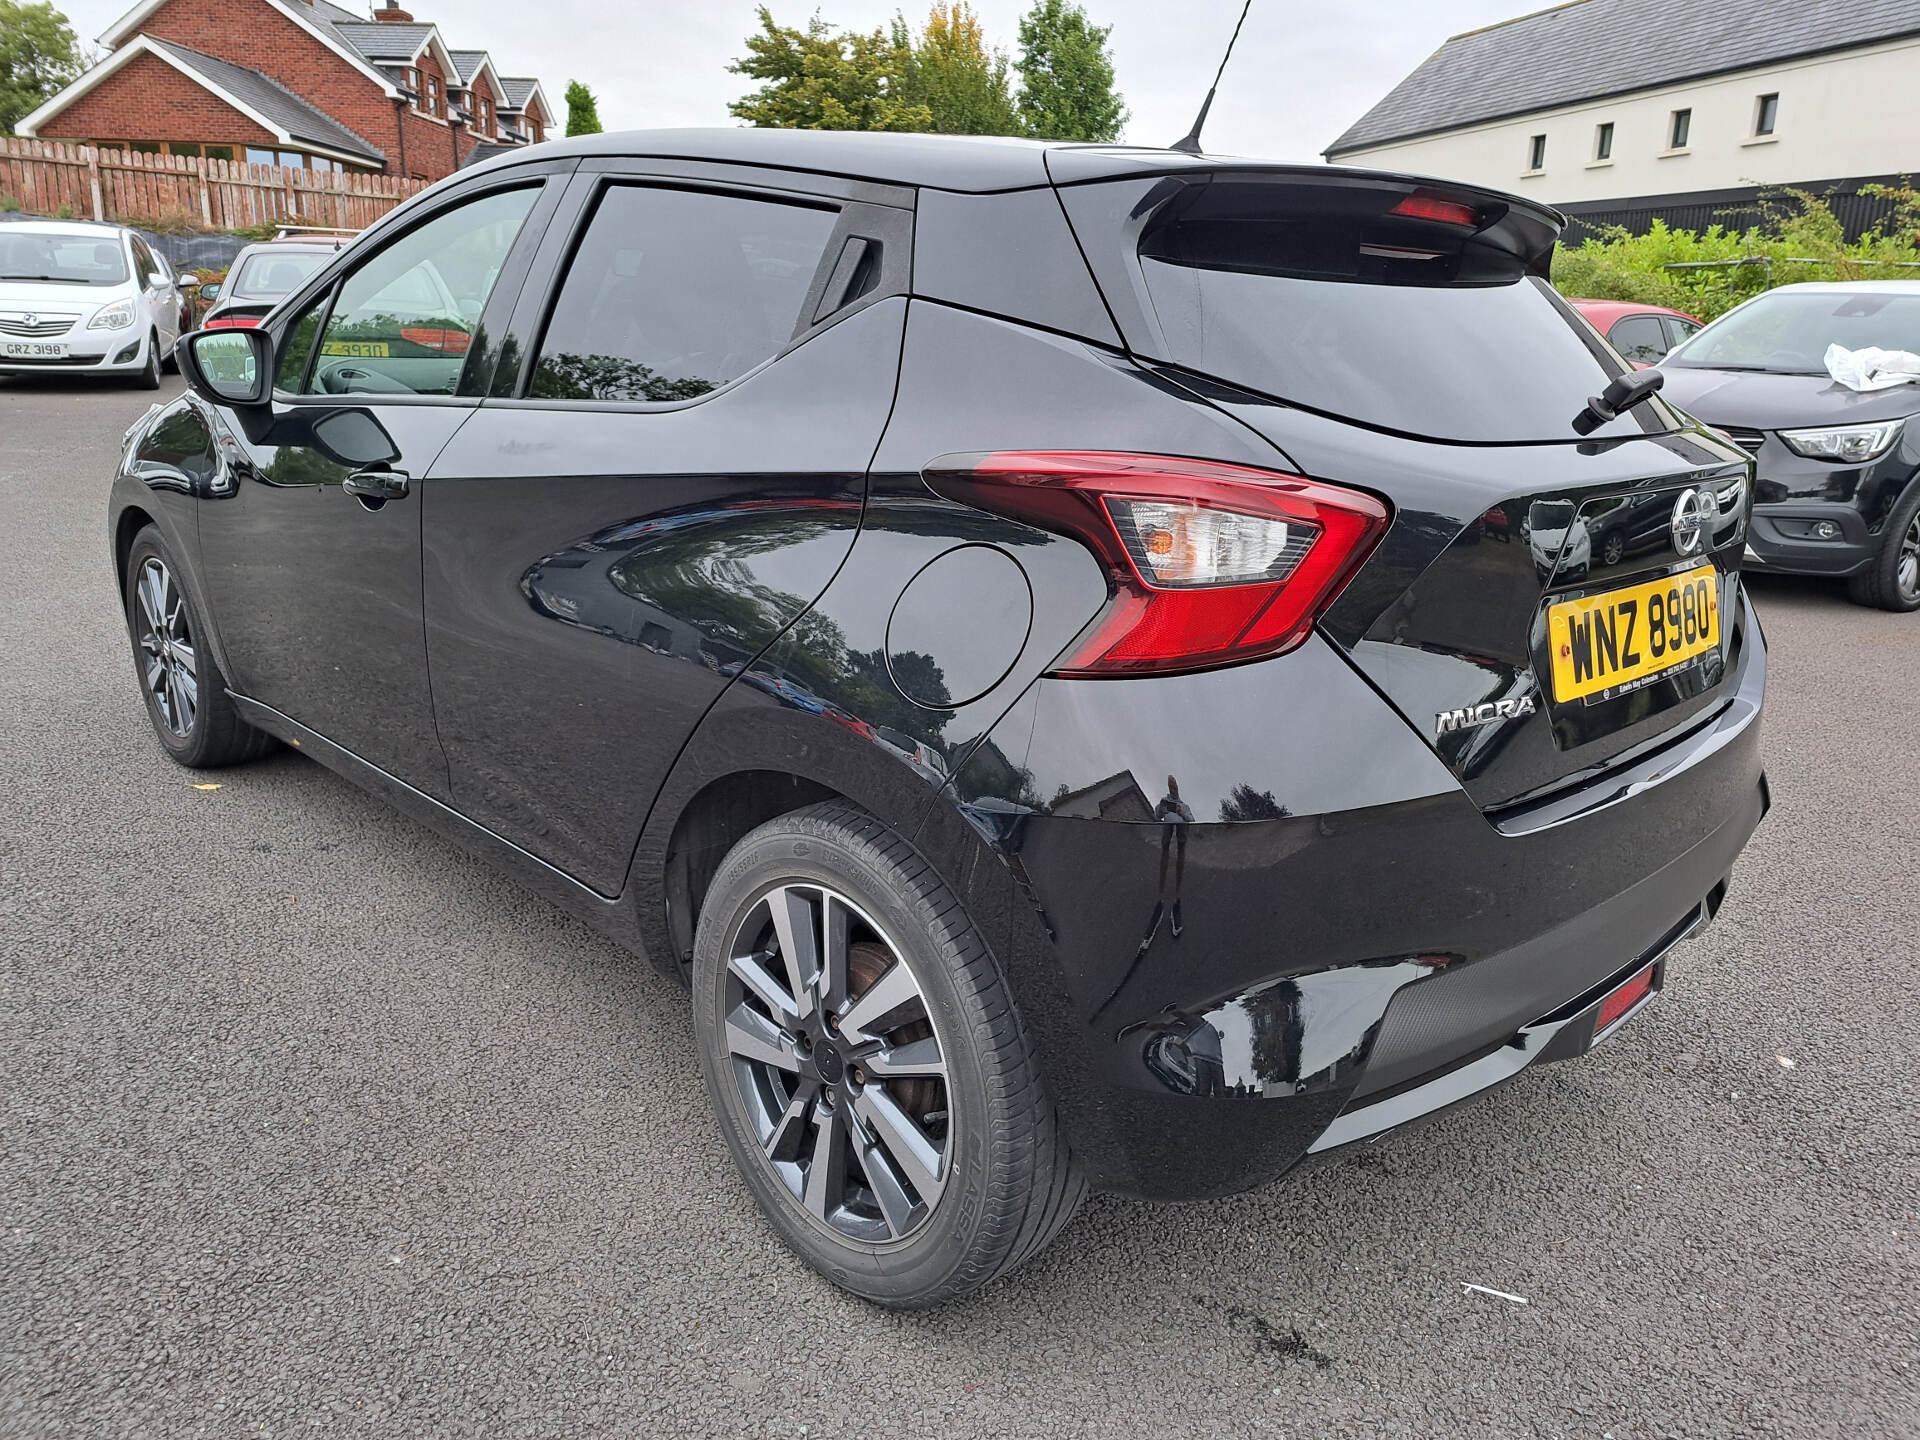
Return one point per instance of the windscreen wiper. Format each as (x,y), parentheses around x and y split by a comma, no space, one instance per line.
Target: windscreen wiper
(50,279)
(1623,392)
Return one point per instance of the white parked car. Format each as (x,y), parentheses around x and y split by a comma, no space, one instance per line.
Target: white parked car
(85,298)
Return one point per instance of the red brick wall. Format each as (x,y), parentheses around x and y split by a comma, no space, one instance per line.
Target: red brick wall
(430,144)
(147,99)
(255,34)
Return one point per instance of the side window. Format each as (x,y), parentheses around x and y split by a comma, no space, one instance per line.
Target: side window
(675,292)
(1679,330)
(1640,337)
(405,319)
(143,265)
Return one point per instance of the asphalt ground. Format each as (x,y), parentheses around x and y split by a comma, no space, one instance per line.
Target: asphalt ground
(309,1124)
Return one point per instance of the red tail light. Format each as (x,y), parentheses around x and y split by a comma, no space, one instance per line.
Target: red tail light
(1210,563)
(444,338)
(232,322)
(1423,206)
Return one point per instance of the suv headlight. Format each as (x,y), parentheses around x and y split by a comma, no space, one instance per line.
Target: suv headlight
(1848,444)
(117,316)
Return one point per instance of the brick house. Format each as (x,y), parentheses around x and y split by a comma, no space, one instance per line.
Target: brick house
(294,82)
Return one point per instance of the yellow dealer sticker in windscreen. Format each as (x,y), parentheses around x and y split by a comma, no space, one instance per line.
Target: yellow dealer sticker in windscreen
(358,349)
(1617,640)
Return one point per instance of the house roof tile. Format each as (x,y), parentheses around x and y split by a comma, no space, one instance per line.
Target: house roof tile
(279,105)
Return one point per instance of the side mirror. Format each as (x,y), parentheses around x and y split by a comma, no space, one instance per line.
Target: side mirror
(158,280)
(210,290)
(228,367)
(188,282)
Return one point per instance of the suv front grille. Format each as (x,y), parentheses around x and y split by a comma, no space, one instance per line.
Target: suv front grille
(1748,440)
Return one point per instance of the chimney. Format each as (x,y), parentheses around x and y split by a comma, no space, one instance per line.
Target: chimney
(391,11)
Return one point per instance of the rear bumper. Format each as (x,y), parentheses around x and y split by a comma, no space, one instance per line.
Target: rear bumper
(1218,1000)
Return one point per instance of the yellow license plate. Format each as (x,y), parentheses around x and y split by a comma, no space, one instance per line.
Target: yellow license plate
(357,349)
(1609,641)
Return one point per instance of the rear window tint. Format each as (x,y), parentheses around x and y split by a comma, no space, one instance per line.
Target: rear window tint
(274,276)
(1322,296)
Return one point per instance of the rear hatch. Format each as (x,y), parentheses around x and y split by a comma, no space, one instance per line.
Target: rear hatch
(1400,336)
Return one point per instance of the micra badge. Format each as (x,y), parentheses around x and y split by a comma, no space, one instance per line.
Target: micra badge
(1469,716)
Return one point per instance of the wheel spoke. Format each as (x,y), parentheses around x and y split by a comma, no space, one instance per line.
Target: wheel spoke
(748,970)
(909,1150)
(156,673)
(920,1057)
(836,920)
(184,653)
(826,1171)
(151,599)
(790,1130)
(892,993)
(751,1036)
(793,929)
(896,1207)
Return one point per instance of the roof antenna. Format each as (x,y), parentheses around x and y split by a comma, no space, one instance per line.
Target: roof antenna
(1191,142)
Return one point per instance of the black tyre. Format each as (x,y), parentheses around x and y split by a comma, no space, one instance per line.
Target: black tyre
(186,695)
(867,1065)
(1613,549)
(1892,581)
(149,377)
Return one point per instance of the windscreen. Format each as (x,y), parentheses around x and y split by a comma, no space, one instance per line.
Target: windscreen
(272,276)
(1788,331)
(1431,320)
(82,259)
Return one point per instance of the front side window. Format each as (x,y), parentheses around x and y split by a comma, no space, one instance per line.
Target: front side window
(405,320)
(673,293)
(1681,130)
(143,266)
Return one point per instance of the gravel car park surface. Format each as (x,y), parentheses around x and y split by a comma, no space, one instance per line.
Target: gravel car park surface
(312,1125)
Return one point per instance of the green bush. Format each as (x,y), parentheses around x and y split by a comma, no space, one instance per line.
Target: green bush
(9,205)
(1798,234)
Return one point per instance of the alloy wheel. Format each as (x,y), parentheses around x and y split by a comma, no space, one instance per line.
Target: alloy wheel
(837,1064)
(1906,570)
(169,664)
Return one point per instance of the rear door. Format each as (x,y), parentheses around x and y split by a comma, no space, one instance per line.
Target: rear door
(668,473)
(1403,337)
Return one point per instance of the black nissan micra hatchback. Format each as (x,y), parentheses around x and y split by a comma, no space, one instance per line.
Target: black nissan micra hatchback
(1073,653)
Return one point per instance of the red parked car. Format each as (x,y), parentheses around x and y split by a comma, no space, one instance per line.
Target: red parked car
(1642,333)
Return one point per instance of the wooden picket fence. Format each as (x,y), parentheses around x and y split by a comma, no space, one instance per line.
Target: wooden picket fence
(51,178)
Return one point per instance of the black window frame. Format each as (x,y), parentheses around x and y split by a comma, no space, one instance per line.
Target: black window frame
(1603,141)
(1536,154)
(879,215)
(1680,129)
(1766,114)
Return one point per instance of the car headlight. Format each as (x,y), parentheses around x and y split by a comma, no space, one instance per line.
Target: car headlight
(117,316)
(1849,444)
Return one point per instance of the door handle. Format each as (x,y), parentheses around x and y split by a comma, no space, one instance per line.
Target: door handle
(381,485)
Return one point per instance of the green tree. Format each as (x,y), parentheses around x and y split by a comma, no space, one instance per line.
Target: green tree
(1066,76)
(823,79)
(38,57)
(952,72)
(583,111)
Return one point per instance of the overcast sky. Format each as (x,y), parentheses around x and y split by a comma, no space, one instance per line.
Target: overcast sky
(1301,73)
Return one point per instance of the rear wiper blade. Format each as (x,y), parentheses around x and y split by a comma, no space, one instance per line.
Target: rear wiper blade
(1623,392)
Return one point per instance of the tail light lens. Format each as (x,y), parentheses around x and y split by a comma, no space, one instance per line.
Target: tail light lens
(232,322)
(447,339)
(1210,563)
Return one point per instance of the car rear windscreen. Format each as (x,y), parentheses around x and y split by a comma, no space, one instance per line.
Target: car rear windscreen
(272,276)
(1432,319)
